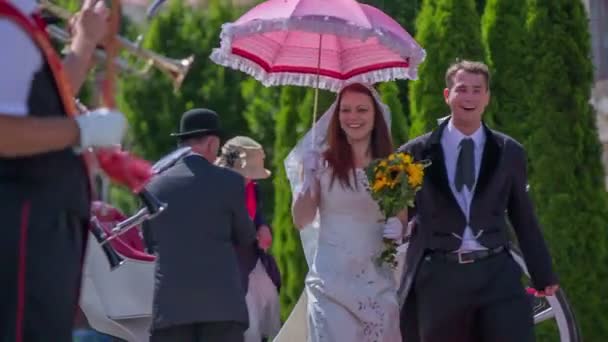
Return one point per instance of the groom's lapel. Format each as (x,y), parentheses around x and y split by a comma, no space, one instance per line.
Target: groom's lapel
(489,160)
(437,171)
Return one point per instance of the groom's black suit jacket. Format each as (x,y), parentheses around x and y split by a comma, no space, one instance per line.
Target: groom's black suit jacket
(500,191)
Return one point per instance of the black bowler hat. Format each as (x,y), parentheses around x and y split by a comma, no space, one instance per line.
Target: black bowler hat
(198,122)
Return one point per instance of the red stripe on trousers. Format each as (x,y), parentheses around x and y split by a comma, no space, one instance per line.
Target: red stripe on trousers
(25,217)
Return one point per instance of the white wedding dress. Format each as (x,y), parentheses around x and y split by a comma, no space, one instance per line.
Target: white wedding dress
(348,295)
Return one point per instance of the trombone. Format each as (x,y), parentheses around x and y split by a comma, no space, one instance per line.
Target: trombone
(152,206)
(175,69)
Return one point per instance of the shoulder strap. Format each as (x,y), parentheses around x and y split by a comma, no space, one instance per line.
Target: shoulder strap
(35,27)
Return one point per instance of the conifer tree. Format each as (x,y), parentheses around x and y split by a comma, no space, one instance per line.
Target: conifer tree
(448,30)
(405,14)
(564,157)
(293,120)
(260,113)
(399,128)
(507,46)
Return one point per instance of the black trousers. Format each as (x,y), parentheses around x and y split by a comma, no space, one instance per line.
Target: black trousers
(481,301)
(201,332)
(41,254)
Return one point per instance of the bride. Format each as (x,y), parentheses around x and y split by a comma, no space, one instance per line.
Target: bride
(348,295)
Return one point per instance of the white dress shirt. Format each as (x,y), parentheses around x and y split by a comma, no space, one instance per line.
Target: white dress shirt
(450,142)
(21,60)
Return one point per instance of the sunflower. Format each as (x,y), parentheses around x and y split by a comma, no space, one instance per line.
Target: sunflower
(393,173)
(406,159)
(379,183)
(389,188)
(415,175)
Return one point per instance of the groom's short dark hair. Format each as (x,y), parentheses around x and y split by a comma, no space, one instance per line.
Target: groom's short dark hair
(472,67)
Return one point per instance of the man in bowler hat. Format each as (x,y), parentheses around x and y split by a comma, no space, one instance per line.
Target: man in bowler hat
(198,294)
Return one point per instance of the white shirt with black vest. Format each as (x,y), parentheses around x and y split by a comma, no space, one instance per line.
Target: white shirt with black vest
(450,142)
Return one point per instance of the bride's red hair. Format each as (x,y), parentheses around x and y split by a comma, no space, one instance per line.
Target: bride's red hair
(339,155)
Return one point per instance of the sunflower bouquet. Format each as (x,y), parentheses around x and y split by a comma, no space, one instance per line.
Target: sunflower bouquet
(393,183)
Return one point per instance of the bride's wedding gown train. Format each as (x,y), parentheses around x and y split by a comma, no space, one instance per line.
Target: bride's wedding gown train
(347,296)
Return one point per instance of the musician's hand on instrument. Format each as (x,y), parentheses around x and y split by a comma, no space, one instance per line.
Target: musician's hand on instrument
(101,128)
(264,237)
(90,24)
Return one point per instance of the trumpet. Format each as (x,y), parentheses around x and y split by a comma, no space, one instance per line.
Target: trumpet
(175,69)
(63,37)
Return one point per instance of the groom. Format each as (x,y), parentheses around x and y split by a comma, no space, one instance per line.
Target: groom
(461,283)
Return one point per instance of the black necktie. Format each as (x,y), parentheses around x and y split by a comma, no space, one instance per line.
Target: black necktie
(465,166)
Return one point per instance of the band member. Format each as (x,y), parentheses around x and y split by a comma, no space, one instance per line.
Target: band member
(198,295)
(259,272)
(44,192)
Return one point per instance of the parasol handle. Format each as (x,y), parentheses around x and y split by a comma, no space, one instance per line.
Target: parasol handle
(316,100)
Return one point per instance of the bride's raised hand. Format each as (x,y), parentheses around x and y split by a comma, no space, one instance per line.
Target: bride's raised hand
(311,164)
(307,199)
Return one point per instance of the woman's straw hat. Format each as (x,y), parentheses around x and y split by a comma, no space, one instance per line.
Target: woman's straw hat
(245,156)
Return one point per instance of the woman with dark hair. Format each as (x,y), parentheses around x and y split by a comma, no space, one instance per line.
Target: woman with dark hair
(350,297)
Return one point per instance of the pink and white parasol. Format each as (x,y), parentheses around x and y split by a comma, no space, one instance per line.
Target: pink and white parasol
(318,43)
